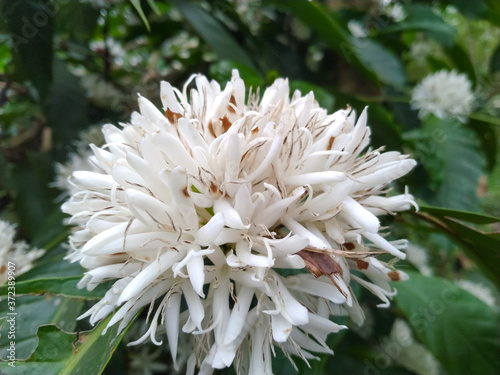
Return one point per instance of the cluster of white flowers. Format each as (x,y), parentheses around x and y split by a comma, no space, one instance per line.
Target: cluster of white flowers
(443,94)
(241,222)
(18,252)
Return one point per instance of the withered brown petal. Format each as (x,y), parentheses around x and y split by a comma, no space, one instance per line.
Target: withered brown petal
(320,264)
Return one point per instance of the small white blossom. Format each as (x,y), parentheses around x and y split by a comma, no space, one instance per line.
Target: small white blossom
(443,94)
(252,213)
(80,160)
(18,253)
(404,351)
(357,29)
(419,258)
(101,93)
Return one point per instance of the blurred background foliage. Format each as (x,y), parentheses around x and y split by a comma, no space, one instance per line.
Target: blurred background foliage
(68,66)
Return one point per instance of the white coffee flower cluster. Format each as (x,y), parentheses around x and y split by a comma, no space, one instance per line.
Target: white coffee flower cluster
(16,252)
(443,94)
(241,222)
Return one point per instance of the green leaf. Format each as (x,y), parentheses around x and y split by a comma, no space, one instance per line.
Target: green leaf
(153,6)
(59,352)
(32,312)
(52,264)
(422,18)
(462,61)
(373,59)
(66,286)
(493,12)
(212,32)
(30,24)
(27,181)
(470,9)
(463,166)
(78,19)
(451,154)
(482,248)
(138,7)
(470,217)
(459,329)
(487,133)
(495,61)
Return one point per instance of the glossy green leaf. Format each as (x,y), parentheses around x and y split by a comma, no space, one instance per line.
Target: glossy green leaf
(472,9)
(487,132)
(66,286)
(373,59)
(450,152)
(422,18)
(154,7)
(482,248)
(495,61)
(32,312)
(59,352)
(213,32)
(52,265)
(459,329)
(138,7)
(470,217)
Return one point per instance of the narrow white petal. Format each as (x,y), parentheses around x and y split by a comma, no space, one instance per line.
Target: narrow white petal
(239,314)
(384,244)
(206,234)
(361,215)
(151,272)
(195,306)
(281,328)
(315,178)
(172,310)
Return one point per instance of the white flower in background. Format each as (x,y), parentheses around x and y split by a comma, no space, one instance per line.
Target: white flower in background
(102,93)
(117,53)
(443,94)
(18,252)
(252,213)
(419,258)
(146,361)
(103,3)
(404,351)
(78,160)
(421,49)
(357,29)
(480,291)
